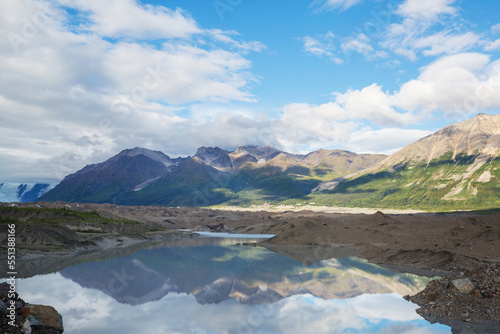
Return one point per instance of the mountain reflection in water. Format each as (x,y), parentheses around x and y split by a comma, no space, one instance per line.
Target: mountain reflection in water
(211,285)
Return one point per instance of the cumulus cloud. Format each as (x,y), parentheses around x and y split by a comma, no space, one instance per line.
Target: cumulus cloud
(94,96)
(92,88)
(456,85)
(368,140)
(452,86)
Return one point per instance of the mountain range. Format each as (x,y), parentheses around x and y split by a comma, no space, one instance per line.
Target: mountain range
(457,167)
(140,176)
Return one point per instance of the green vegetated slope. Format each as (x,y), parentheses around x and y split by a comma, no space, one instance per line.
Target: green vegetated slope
(248,175)
(103,182)
(252,179)
(457,167)
(62,229)
(444,184)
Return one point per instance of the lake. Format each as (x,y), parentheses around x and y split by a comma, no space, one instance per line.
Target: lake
(213,285)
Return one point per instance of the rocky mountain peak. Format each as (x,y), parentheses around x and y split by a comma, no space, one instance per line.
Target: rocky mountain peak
(153,155)
(264,153)
(215,157)
(479,136)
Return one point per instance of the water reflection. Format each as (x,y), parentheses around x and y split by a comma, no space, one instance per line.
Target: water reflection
(213,286)
(214,270)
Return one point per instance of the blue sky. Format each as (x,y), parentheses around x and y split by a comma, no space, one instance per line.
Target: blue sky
(83,80)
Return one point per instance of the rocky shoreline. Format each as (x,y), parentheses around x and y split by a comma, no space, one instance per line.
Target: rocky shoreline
(470,295)
(453,245)
(18,316)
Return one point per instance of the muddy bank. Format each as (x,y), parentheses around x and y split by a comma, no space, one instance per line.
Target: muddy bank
(62,233)
(422,243)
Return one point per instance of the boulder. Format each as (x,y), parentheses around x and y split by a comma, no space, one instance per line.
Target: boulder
(463,285)
(42,319)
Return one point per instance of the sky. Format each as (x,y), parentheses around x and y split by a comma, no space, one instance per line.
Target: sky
(82,80)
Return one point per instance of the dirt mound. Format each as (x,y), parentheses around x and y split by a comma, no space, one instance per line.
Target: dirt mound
(422,258)
(267,228)
(278,228)
(307,233)
(46,235)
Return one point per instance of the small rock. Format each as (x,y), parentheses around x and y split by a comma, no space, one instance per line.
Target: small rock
(407,298)
(464,316)
(463,285)
(26,327)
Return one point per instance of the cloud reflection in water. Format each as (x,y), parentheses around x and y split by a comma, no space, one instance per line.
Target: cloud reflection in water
(90,311)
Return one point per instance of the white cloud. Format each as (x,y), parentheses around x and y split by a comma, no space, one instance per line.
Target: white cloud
(335,123)
(418,16)
(322,46)
(314,126)
(410,54)
(456,85)
(452,86)
(495,28)
(374,105)
(224,36)
(446,42)
(178,73)
(428,10)
(92,98)
(321,5)
(367,140)
(492,46)
(128,18)
(361,44)
(325,46)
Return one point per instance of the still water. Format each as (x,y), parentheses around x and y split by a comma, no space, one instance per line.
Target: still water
(211,285)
